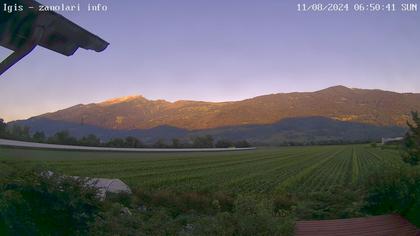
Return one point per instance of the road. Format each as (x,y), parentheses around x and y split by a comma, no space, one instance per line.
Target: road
(13,143)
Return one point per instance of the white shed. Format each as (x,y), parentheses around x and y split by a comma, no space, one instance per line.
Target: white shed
(104,185)
(109,186)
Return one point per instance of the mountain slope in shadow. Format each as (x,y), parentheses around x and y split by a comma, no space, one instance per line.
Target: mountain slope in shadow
(301,129)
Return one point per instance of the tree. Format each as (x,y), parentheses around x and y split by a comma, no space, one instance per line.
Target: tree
(176,143)
(20,133)
(90,140)
(2,128)
(203,141)
(116,143)
(242,144)
(39,137)
(224,144)
(132,142)
(411,152)
(160,144)
(63,137)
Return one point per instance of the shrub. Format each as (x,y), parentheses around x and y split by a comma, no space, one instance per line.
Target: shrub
(220,224)
(35,203)
(256,217)
(185,202)
(395,191)
(42,203)
(336,203)
(193,213)
(411,152)
(284,204)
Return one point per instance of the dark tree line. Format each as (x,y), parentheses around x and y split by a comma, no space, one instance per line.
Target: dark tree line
(16,132)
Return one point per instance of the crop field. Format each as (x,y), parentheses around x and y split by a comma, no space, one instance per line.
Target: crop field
(262,171)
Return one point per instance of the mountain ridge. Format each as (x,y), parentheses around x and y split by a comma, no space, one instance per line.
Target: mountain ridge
(367,106)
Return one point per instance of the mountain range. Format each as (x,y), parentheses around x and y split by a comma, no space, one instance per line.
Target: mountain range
(335,112)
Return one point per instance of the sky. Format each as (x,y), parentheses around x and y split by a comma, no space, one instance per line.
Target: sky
(215,50)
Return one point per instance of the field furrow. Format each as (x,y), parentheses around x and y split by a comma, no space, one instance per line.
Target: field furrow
(262,171)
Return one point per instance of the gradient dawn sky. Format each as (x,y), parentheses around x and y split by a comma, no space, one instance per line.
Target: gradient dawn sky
(216,50)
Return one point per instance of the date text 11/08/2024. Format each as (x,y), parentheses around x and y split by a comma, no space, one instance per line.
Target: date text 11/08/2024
(357,7)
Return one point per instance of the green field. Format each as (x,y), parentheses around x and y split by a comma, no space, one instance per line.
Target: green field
(263,171)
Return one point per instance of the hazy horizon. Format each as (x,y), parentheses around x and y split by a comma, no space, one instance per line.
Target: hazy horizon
(216,51)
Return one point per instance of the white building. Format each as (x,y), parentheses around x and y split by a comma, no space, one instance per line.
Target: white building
(387,140)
